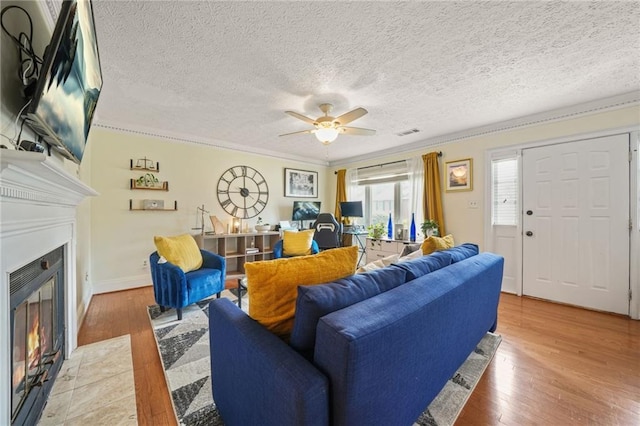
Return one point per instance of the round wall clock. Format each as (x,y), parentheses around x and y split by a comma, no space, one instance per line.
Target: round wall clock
(242,192)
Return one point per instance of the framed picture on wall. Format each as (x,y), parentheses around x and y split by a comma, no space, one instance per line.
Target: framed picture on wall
(459,175)
(300,183)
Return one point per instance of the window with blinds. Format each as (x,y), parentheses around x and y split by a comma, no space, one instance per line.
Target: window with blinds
(504,193)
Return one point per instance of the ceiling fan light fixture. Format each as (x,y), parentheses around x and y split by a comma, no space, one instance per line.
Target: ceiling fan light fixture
(326,135)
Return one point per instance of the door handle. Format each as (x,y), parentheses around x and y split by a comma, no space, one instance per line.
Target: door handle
(529,233)
(529,212)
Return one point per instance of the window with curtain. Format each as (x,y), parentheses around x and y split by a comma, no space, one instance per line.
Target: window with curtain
(504,187)
(383,190)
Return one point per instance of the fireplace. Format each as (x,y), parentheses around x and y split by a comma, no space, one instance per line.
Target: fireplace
(37,325)
(38,277)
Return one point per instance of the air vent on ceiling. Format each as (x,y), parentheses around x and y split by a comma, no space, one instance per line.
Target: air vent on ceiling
(407,132)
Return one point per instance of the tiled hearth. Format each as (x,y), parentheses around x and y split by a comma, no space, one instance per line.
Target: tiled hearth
(95,386)
(38,201)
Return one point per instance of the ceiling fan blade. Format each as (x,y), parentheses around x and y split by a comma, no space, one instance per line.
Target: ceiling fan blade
(348,117)
(356,131)
(299,133)
(301,117)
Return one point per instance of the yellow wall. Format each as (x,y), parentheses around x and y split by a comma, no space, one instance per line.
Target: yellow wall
(122,239)
(466,224)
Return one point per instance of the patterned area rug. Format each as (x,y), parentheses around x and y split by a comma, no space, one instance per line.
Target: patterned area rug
(184,350)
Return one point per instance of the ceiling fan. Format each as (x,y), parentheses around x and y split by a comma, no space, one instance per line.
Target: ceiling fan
(327,128)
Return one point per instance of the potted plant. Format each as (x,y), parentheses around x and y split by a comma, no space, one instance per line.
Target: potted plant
(430,227)
(376,230)
(262,227)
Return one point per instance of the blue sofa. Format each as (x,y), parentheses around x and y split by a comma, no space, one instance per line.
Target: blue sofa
(371,349)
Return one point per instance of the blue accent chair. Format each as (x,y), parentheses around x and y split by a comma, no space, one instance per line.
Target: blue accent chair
(174,288)
(278,251)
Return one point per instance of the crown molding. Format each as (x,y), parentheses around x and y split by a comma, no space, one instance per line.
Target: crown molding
(597,106)
(50,10)
(211,143)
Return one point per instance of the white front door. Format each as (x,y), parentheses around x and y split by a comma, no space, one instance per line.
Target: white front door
(575,223)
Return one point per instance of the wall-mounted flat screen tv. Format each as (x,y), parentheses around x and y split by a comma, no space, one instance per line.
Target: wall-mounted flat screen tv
(69,83)
(305,210)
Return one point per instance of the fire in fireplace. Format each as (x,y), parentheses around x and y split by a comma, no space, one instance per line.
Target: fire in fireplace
(37,324)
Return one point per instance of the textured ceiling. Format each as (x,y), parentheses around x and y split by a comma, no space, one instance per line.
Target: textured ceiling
(223,73)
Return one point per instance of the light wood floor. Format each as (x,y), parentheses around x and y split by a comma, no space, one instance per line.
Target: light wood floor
(556,365)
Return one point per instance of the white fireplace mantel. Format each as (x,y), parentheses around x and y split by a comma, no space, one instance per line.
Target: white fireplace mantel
(38,201)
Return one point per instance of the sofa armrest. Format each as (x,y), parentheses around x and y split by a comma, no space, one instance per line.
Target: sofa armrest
(214,261)
(169,283)
(257,378)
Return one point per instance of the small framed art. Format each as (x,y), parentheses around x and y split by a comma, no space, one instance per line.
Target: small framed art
(300,183)
(459,175)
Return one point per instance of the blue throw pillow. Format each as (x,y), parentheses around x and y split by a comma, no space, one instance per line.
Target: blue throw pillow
(314,302)
(423,265)
(462,252)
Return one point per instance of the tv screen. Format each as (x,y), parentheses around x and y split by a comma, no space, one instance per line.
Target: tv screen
(305,210)
(69,83)
(351,208)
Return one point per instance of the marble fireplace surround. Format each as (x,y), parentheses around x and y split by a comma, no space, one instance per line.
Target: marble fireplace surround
(38,201)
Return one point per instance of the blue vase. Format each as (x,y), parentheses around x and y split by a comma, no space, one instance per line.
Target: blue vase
(390,228)
(412,229)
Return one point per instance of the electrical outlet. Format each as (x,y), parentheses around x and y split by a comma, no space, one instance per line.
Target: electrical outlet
(86,276)
(145,263)
(472,204)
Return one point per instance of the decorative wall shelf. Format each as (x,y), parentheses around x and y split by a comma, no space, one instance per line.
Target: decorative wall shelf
(159,186)
(144,164)
(140,207)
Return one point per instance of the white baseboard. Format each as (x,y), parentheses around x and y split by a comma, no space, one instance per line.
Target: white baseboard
(124,283)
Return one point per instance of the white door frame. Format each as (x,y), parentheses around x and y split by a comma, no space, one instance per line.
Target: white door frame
(634,200)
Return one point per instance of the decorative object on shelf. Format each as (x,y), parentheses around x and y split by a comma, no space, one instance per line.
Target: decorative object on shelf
(262,227)
(412,228)
(149,181)
(218,227)
(140,206)
(459,175)
(237,225)
(152,204)
(300,183)
(144,164)
(429,228)
(201,227)
(390,228)
(376,230)
(242,192)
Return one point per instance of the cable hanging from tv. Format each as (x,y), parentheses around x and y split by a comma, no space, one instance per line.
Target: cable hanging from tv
(30,63)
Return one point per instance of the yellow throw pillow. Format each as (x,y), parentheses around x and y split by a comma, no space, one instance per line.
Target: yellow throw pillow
(181,250)
(432,244)
(297,243)
(273,284)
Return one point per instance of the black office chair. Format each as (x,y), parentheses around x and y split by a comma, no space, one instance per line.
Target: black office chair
(327,231)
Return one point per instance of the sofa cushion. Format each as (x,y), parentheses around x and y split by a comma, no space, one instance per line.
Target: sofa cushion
(181,250)
(431,244)
(377,264)
(314,302)
(462,252)
(297,243)
(272,284)
(423,265)
(410,248)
